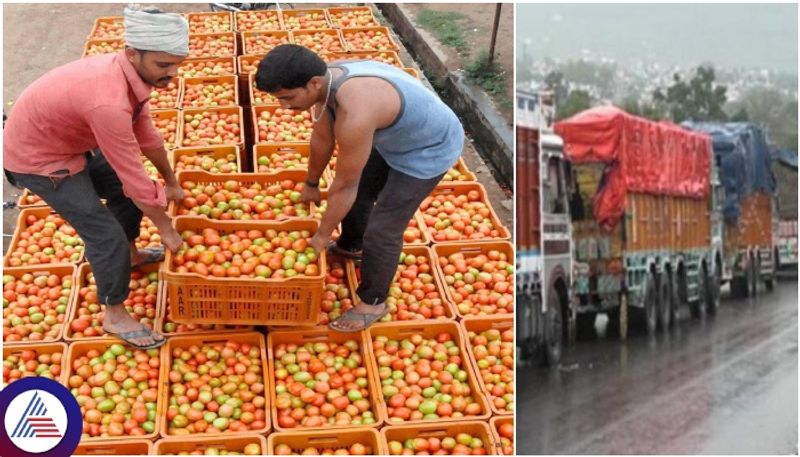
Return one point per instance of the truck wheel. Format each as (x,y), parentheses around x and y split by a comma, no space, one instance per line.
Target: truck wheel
(526,306)
(712,291)
(698,306)
(664,300)
(650,304)
(739,287)
(678,297)
(753,277)
(584,325)
(553,330)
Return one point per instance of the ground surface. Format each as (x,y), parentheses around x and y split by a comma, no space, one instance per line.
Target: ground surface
(39,37)
(477,28)
(726,385)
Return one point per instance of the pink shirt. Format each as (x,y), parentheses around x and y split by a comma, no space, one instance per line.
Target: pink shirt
(80,106)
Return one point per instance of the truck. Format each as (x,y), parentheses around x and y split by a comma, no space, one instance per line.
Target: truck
(784,168)
(543,233)
(743,205)
(641,220)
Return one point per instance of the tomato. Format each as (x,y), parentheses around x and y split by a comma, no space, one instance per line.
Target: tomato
(216,45)
(458,444)
(165,97)
(452,217)
(368,40)
(34,306)
(250,201)
(257,20)
(190,162)
(319,41)
(480,283)
(45,241)
(304,20)
(263,42)
(412,396)
(210,127)
(494,356)
(506,432)
(209,23)
(211,386)
(208,67)
(22,363)
(353,17)
(280,125)
(116,388)
(322,384)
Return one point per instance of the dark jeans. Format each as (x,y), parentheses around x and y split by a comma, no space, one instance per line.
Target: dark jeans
(385,203)
(106,231)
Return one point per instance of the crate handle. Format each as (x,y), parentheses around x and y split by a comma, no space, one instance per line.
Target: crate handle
(411,330)
(315,338)
(432,433)
(470,249)
(323,439)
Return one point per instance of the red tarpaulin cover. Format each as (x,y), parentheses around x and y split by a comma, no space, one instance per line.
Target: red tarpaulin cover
(643,156)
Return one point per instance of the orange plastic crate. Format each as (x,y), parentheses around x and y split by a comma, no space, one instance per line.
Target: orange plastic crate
(101,26)
(477,429)
(321,22)
(387,57)
(38,270)
(207,300)
(336,17)
(462,188)
(351,32)
(263,149)
(411,72)
(82,281)
(196,329)
(245,22)
(470,250)
(449,313)
(431,329)
(197,22)
(227,110)
(322,439)
(116,447)
(214,152)
(463,170)
(22,203)
(228,50)
(245,179)
(317,335)
(79,348)
(481,324)
(248,63)
(166,114)
(40,212)
(39,349)
(312,39)
(184,342)
(207,81)
(92,46)
(261,45)
(256,113)
(264,98)
(196,443)
(220,66)
(494,425)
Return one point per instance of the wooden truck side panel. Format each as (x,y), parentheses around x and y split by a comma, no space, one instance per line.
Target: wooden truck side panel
(754,227)
(665,222)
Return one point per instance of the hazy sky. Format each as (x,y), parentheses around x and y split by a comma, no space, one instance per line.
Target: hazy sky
(761,36)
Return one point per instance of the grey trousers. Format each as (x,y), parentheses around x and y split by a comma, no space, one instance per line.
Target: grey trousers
(386,201)
(106,230)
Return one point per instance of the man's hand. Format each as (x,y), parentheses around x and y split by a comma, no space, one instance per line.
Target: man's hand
(320,242)
(310,194)
(174,192)
(171,239)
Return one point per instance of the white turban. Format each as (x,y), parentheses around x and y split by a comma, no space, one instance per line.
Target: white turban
(165,32)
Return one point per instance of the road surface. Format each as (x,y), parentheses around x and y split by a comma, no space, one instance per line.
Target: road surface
(726,385)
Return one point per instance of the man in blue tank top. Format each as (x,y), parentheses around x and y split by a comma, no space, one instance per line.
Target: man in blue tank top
(396,139)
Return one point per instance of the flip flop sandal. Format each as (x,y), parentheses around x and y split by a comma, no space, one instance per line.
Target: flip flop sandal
(366,319)
(127,336)
(334,249)
(151,255)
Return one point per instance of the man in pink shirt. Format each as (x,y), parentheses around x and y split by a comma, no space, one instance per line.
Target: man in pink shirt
(76,135)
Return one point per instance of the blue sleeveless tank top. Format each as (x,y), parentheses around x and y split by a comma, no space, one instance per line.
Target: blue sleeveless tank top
(426,138)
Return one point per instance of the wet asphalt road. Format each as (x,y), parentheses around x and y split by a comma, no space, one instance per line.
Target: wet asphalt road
(726,385)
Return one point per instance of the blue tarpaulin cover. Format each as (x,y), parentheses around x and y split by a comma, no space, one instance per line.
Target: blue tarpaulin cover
(743,160)
(785,157)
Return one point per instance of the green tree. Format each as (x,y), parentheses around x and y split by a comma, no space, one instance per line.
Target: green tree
(648,110)
(774,111)
(576,101)
(554,81)
(699,99)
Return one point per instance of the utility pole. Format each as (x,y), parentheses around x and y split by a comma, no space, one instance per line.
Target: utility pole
(494,31)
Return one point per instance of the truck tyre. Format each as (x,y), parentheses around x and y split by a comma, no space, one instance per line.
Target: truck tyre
(650,304)
(526,306)
(664,300)
(752,278)
(584,325)
(678,296)
(698,307)
(553,334)
(712,291)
